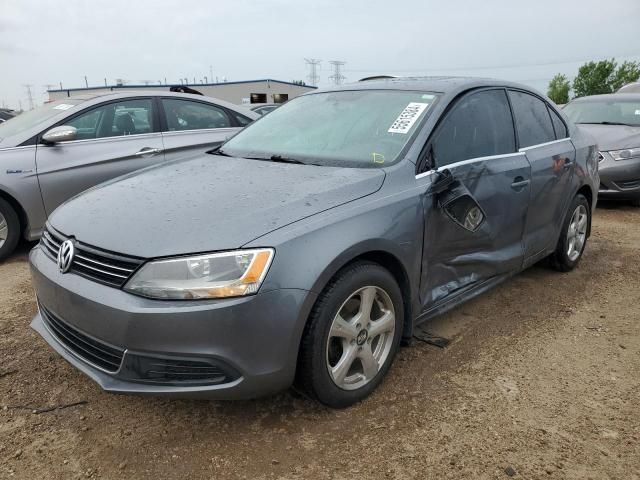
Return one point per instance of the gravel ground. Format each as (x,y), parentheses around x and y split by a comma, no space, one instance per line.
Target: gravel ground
(542,380)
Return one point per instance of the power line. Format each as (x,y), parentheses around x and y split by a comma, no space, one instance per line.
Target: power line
(337,78)
(313,76)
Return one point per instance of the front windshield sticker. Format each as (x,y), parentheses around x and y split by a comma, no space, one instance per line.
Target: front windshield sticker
(377,157)
(63,106)
(408,117)
(637,112)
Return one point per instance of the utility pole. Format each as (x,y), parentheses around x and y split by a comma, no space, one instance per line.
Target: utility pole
(337,78)
(211,72)
(29,96)
(86,82)
(313,76)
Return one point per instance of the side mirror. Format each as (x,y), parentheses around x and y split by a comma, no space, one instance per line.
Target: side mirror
(442,182)
(63,133)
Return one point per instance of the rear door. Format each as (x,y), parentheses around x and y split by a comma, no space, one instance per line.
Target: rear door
(114,138)
(473,230)
(552,158)
(196,126)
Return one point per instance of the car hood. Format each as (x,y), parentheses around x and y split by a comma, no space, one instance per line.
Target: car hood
(613,137)
(206,204)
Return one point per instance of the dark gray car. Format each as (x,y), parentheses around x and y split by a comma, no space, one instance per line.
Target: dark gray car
(614,121)
(314,241)
(56,151)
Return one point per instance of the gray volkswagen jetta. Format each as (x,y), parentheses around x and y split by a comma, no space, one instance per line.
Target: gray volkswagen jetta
(614,121)
(314,241)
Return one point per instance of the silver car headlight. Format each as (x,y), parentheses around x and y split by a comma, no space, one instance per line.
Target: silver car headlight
(216,275)
(625,153)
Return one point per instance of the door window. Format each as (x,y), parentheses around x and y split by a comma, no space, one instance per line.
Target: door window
(533,121)
(189,115)
(480,125)
(558,125)
(128,117)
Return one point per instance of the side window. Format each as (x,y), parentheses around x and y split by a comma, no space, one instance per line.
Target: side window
(188,115)
(479,125)
(533,122)
(558,125)
(242,120)
(128,117)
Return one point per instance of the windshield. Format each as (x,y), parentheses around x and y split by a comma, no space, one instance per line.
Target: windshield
(29,119)
(363,128)
(605,111)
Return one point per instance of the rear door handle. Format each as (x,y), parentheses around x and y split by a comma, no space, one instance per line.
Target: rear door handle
(148,151)
(567,164)
(519,183)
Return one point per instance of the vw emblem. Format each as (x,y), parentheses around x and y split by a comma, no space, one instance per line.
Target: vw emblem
(65,255)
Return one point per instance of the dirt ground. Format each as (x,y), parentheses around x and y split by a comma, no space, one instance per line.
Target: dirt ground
(542,380)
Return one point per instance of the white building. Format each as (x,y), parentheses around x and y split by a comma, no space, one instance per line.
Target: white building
(243,92)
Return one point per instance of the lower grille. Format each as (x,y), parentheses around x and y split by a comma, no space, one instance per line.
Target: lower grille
(100,354)
(96,264)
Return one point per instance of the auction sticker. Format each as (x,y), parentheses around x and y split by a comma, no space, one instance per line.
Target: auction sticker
(408,117)
(63,106)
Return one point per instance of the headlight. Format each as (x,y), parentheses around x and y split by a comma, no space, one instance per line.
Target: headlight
(216,275)
(625,153)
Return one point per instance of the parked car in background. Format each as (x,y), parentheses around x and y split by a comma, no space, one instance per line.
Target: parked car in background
(6,114)
(314,240)
(614,121)
(630,88)
(56,151)
(264,108)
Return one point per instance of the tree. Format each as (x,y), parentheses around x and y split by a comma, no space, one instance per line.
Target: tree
(559,87)
(604,77)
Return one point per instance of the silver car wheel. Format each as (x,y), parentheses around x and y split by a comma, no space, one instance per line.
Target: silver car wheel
(577,233)
(4,230)
(360,338)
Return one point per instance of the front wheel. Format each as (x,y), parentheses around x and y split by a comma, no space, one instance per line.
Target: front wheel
(573,238)
(352,336)
(9,229)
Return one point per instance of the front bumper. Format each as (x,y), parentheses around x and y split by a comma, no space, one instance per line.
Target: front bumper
(619,178)
(253,340)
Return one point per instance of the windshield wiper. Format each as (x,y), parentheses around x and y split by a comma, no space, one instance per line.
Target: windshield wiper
(607,123)
(280,159)
(218,151)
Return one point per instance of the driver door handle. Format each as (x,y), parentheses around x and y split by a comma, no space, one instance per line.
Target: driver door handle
(148,151)
(519,183)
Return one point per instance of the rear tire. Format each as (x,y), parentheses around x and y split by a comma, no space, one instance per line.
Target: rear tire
(573,238)
(9,229)
(352,336)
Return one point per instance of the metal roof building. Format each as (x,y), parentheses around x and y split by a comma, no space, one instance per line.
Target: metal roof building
(242,92)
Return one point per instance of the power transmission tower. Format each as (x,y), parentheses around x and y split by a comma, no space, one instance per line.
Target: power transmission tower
(313,76)
(337,78)
(29,96)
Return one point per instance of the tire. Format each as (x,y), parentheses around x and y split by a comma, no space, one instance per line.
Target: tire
(9,229)
(575,227)
(361,354)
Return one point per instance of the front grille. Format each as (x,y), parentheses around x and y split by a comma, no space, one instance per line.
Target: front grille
(628,184)
(96,264)
(100,354)
(166,370)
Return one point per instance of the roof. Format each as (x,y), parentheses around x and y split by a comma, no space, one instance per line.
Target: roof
(193,85)
(430,84)
(619,97)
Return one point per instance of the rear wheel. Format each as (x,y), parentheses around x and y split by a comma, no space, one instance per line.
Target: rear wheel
(574,235)
(352,336)
(9,229)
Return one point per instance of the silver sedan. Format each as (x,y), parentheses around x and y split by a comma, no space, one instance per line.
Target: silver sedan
(56,151)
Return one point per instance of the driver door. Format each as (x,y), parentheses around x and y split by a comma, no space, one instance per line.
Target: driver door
(476,200)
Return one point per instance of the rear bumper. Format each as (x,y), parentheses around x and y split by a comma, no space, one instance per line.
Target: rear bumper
(619,178)
(253,340)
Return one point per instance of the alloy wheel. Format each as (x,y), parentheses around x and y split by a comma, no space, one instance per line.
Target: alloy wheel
(4,230)
(360,338)
(577,233)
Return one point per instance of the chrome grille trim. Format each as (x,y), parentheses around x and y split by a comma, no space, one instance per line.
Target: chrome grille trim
(91,262)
